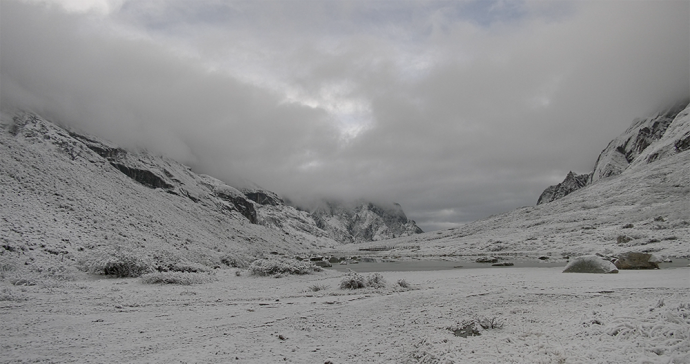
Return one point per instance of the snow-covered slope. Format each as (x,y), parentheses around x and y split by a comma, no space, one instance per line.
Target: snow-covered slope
(631,147)
(67,192)
(646,207)
(626,148)
(65,196)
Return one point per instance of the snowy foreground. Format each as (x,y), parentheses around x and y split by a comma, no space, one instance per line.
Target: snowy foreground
(546,317)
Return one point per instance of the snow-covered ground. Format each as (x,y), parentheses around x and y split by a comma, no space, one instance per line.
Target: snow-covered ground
(545,316)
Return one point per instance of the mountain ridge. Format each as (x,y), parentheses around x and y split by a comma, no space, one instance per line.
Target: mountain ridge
(623,151)
(645,208)
(168,207)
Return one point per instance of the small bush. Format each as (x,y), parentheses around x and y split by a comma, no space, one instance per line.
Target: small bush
(403,283)
(181,278)
(279,266)
(234,261)
(7,294)
(490,323)
(46,274)
(470,327)
(7,265)
(376,281)
(167,261)
(465,328)
(354,280)
(59,272)
(318,287)
(119,262)
(25,280)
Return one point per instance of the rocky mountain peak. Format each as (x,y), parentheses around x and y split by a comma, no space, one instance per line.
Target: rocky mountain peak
(572,182)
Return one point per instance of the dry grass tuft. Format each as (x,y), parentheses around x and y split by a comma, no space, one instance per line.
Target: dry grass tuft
(280,266)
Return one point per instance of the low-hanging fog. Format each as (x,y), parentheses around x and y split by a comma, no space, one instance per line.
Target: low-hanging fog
(455,110)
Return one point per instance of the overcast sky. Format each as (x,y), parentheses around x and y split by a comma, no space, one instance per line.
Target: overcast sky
(455,109)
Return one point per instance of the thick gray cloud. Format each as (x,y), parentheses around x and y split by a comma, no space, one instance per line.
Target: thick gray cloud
(456,110)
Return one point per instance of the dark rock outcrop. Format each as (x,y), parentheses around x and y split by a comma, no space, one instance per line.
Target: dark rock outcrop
(145,177)
(635,260)
(571,183)
(231,195)
(263,197)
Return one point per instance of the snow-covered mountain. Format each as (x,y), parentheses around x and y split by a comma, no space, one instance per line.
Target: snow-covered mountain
(642,204)
(344,222)
(67,196)
(624,151)
(64,192)
(363,221)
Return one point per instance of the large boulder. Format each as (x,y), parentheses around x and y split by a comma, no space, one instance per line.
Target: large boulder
(635,260)
(590,264)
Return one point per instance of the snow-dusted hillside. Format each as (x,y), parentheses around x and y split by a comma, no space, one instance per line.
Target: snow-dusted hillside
(65,193)
(628,149)
(646,207)
(67,196)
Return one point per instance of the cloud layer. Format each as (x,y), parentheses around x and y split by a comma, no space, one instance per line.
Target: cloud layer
(456,110)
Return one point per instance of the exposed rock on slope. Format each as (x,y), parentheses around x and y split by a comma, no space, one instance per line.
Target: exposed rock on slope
(571,183)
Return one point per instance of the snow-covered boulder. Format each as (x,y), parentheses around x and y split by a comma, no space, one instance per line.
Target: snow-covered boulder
(590,264)
(636,260)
